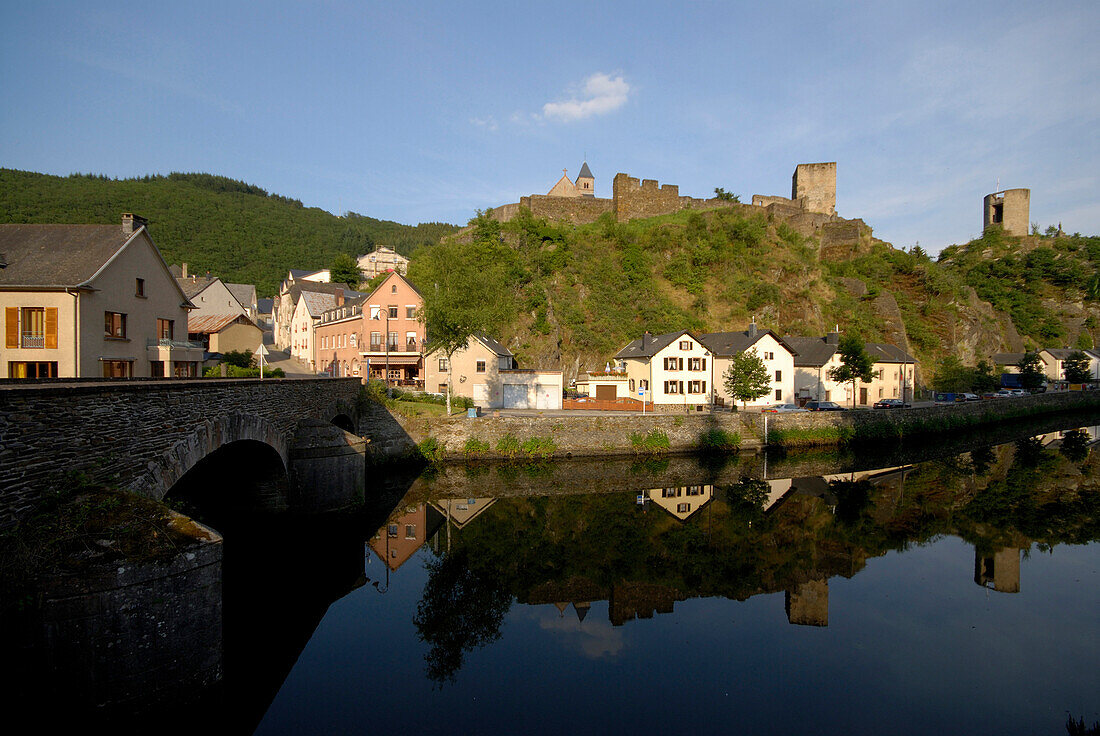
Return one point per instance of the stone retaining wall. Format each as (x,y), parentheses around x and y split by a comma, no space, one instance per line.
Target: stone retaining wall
(575,436)
(884,424)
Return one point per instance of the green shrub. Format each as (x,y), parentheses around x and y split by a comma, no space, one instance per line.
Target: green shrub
(539,447)
(653,443)
(233,371)
(475,447)
(509,446)
(432,450)
(719,440)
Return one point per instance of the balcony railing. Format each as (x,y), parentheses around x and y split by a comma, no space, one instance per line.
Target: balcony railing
(394,347)
(32,341)
(165,342)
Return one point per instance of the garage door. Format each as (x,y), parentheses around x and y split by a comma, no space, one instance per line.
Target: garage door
(547,397)
(481,395)
(605,393)
(515,396)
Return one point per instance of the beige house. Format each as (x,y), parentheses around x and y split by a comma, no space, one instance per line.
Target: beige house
(675,368)
(308,312)
(224,333)
(283,307)
(682,501)
(484,371)
(777,355)
(1054,362)
(211,295)
(91,301)
(382,260)
(604,385)
(339,338)
(893,369)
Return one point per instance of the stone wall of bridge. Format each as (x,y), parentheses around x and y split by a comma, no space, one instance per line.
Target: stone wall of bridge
(143,436)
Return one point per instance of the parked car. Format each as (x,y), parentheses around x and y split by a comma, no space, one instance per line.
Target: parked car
(968,397)
(823,406)
(782,409)
(891,404)
(1019,392)
(1004,393)
(990,395)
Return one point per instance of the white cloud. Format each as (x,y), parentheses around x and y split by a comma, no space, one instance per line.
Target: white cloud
(489,123)
(600,95)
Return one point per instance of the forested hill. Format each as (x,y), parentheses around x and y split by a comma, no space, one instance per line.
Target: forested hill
(235,230)
(573,296)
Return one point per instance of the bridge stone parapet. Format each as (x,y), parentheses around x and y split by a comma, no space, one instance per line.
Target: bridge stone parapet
(144,436)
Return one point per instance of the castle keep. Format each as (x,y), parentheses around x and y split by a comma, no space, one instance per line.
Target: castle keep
(1011,209)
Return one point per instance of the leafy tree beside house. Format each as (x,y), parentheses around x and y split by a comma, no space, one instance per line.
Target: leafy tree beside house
(1031,370)
(345,270)
(747,378)
(1076,367)
(855,364)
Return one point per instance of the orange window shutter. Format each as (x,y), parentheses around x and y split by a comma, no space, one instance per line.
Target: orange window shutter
(51,328)
(11,327)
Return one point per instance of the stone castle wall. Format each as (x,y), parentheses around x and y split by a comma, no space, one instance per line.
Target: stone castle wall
(1011,209)
(815,185)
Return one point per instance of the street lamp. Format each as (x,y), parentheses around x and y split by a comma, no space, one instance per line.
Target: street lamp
(386,337)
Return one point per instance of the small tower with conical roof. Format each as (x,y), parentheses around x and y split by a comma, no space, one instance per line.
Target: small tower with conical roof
(585,183)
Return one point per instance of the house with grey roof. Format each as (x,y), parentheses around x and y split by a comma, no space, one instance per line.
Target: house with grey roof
(212,296)
(1054,362)
(308,312)
(91,301)
(893,369)
(485,371)
(778,356)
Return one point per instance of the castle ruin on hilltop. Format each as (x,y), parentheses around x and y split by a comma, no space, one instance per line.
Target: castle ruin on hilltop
(1010,208)
(812,203)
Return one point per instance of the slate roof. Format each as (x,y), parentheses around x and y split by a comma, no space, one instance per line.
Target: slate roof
(495,346)
(732,343)
(812,351)
(1007,358)
(297,273)
(1061,353)
(586,173)
(265,306)
(57,255)
(654,344)
(194,285)
(215,322)
(318,302)
(887,353)
(243,293)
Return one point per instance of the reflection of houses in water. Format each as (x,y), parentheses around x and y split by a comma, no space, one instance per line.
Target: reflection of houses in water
(681,501)
(808,604)
(461,511)
(1054,439)
(626,601)
(999,571)
(403,534)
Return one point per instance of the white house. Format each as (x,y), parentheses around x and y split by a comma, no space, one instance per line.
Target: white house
(778,357)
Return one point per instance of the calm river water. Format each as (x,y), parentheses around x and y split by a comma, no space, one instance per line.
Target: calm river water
(816,593)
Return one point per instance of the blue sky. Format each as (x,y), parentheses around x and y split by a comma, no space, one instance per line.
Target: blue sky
(419,111)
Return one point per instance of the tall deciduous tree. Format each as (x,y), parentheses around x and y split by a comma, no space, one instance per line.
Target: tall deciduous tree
(855,364)
(345,270)
(747,378)
(468,288)
(1076,367)
(1031,370)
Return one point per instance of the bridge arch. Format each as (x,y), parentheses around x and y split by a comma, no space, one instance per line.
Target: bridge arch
(164,471)
(344,413)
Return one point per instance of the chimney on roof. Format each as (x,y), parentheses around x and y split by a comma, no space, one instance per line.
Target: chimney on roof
(752,328)
(131,222)
(833,338)
(339,297)
(184,269)
(645,340)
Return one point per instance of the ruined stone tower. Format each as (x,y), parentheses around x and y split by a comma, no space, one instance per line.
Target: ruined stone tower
(815,185)
(1011,209)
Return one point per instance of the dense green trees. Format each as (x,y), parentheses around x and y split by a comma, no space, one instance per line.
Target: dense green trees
(1031,370)
(235,230)
(1076,367)
(345,270)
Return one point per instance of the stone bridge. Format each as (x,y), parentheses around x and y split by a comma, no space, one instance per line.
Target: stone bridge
(144,435)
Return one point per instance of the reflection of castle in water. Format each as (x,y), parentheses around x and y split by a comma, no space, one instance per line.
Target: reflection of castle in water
(999,571)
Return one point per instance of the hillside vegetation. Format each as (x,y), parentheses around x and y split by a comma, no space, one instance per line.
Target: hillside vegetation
(235,230)
(580,293)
